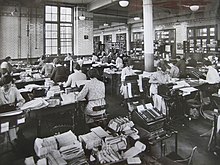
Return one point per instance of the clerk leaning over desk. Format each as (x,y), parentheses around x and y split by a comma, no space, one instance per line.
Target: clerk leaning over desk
(127,71)
(158,78)
(9,94)
(94,91)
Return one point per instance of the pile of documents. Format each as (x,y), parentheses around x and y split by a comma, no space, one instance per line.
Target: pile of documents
(93,139)
(108,155)
(120,124)
(61,149)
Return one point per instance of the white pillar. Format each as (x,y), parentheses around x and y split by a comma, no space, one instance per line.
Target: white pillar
(148,35)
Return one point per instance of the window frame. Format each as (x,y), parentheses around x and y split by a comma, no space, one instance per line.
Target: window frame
(59,23)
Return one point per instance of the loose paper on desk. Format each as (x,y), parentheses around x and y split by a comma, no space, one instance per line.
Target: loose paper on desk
(140,83)
(4,127)
(188,90)
(133,151)
(29,161)
(68,98)
(20,121)
(135,160)
(180,84)
(100,132)
(129,90)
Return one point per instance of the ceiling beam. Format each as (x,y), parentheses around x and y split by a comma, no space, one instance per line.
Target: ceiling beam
(97,5)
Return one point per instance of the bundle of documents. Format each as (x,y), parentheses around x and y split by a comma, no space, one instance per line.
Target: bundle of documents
(117,143)
(108,155)
(120,124)
(54,158)
(91,140)
(73,154)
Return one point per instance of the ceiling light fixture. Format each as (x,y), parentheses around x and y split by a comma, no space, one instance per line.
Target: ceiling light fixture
(105,24)
(123,3)
(194,7)
(82,17)
(137,18)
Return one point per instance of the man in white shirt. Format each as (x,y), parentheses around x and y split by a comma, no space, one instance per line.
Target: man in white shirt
(212,75)
(75,76)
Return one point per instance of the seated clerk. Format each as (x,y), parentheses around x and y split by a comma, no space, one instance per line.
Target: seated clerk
(94,92)
(75,76)
(127,71)
(191,62)
(59,73)
(94,58)
(119,62)
(212,75)
(181,64)
(9,94)
(173,70)
(68,57)
(160,77)
(47,68)
(6,65)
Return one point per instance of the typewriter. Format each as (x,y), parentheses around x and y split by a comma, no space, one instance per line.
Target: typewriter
(148,117)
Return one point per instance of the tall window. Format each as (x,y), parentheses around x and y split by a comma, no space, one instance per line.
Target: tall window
(58,30)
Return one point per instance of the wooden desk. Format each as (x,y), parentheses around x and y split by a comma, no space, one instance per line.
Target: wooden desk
(40,114)
(21,84)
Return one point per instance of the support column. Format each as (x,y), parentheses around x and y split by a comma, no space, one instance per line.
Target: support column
(148,35)
(128,39)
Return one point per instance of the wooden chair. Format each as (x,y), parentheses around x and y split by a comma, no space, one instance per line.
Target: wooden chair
(178,159)
(100,119)
(207,110)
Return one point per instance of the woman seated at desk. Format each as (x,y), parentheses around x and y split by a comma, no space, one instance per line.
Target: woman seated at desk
(75,76)
(59,73)
(47,68)
(9,94)
(158,78)
(94,92)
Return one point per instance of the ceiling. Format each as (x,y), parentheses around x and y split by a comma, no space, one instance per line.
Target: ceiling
(109,10)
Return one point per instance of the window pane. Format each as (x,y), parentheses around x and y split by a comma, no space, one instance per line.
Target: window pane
(54,27)
(54,17)
(48,17)
(48,35)
(54,35)
(54,50)
(48,50)
(48,9)
(65,35)
(54,9)
(212,31)
(48,43)
(65,10)
(54,42)
(65,18)
(69,49)
(47,27)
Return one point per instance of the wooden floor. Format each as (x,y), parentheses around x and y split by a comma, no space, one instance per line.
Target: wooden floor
(188,137)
